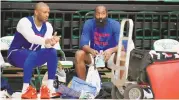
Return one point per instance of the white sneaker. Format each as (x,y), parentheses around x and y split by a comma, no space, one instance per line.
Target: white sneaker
(4,94)
(16,95)
(61,75)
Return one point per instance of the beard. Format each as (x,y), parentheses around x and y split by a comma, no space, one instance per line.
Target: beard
(101,22)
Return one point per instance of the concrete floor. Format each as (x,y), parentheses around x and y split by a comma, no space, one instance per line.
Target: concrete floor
(17,96)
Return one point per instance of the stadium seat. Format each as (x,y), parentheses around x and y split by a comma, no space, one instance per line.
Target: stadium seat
(82,13)
(172,34)
(171,16)
(147,16)
(117,15)
(147,35)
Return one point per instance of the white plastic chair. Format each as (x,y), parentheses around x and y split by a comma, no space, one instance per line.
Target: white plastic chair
(166,45)
(4,46)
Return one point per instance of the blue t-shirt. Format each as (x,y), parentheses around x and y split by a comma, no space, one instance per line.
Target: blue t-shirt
(100,38)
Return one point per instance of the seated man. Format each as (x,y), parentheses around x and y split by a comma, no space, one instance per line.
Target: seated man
(103,34)
(25,50)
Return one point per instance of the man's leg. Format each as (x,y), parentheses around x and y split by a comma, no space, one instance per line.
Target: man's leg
(48,55)
(122,60)
(38,58)
(20,58)
(17,59)
(81,59)
(27,60)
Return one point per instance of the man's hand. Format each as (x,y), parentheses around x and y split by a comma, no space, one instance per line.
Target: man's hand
(94,52)
(48,43)
(52,41)
(56,38)
(107,54)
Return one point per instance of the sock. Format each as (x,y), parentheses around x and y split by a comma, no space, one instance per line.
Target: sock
(50,85)
(24,88)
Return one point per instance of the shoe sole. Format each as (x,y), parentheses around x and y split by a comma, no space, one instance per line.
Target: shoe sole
(28,98)
(44,98)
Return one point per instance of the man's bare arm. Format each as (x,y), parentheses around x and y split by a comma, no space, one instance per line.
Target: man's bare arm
(87,49)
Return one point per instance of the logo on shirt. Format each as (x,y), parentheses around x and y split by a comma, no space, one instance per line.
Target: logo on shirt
(100,38)
(39,35)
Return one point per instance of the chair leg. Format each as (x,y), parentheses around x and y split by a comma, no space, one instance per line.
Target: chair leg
(39,77)
(35,82)
(31,82)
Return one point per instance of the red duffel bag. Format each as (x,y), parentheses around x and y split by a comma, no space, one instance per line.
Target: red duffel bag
(164,79)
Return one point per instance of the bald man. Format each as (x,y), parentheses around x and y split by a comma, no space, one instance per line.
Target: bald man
(102,33)
(33,33)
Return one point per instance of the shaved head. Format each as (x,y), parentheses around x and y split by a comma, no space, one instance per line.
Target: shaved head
(40,5)
(41,12)
(100,7)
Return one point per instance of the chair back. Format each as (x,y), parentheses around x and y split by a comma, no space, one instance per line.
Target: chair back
(166,45)
(5,42)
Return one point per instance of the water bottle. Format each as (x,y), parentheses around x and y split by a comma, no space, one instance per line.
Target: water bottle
(99,60)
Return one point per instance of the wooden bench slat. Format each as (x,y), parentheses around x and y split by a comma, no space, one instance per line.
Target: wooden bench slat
(12,68)
(107,75)
(18,75)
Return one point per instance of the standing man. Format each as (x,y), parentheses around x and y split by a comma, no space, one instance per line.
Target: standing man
(102,33)
(25,52)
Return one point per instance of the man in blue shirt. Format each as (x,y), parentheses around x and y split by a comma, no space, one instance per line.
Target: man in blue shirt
(99,33)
